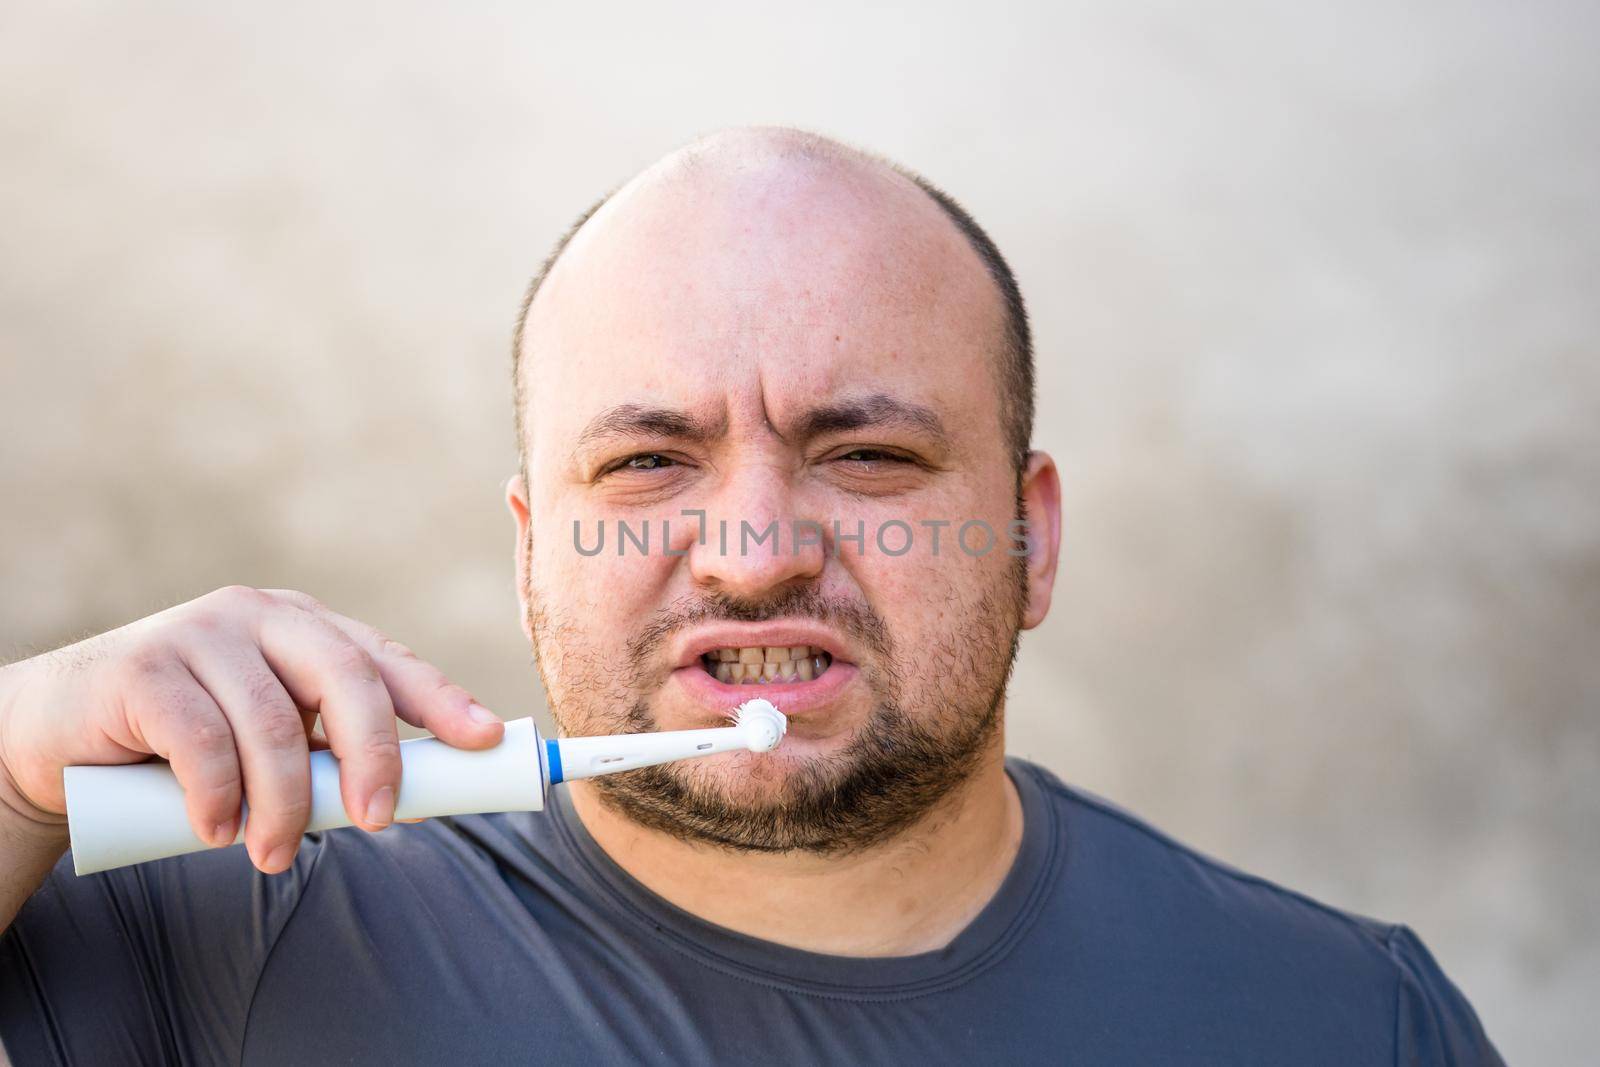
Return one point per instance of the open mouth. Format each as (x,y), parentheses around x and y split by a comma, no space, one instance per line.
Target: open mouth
(764,665)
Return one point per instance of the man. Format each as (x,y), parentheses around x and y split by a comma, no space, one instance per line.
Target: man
(775,369)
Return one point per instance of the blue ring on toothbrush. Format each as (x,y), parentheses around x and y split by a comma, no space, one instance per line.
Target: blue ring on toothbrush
(552,760)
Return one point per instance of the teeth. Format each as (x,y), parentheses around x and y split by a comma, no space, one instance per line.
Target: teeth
(762,665)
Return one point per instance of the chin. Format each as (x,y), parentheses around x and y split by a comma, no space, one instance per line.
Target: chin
(759,780)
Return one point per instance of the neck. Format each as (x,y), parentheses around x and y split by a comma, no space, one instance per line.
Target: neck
(913,893)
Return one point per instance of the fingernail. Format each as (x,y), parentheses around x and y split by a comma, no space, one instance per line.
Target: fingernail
(223,833)
(481,714)
(380,809)
(279,859)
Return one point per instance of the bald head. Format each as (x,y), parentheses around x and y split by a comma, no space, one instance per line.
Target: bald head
(765,231)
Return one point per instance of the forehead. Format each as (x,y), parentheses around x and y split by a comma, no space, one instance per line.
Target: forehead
(760,290)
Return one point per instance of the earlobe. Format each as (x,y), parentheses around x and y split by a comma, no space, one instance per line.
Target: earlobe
(1041,500)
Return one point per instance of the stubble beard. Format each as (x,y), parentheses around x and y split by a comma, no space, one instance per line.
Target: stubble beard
(897,767)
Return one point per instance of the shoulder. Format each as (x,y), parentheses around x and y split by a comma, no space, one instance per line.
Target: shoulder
(1224,935)
(1117,847)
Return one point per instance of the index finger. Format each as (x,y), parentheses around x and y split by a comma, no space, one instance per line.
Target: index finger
(421,693)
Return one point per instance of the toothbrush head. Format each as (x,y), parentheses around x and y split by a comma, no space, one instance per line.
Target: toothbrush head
(763,724)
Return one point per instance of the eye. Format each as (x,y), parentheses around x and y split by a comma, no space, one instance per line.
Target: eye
(871,455)
(646,461)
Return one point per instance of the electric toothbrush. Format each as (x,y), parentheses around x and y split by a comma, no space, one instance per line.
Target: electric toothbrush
(134,812)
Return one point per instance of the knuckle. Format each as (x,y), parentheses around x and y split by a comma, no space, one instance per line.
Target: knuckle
(431,681)
(448,692)
(209,736)
(382,748)
(290,812)
(223,784)
(266,695)
(351,659)
(237,596)
(295,598)
(432,688)
(390,647)
(280,732)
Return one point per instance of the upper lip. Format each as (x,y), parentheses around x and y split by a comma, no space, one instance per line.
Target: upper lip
(775,634)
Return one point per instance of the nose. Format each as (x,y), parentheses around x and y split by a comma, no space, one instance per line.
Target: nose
(756,538)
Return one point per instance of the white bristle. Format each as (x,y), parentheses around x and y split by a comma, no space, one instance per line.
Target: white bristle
(763,724)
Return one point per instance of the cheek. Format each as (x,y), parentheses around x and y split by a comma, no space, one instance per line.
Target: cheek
(930,590)
(951,617)
(924,601)
(585,608)
(576,567)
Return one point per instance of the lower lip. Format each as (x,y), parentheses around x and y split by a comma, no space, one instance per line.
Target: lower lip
(791,698)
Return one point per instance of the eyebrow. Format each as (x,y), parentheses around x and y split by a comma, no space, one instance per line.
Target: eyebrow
(640,420)
(877,409)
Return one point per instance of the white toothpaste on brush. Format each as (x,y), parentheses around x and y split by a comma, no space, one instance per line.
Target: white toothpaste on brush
(134,812)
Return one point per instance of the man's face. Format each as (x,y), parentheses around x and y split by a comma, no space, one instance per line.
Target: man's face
(776,344)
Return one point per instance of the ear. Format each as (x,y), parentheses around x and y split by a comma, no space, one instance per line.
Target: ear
(1041,502)
(517,502)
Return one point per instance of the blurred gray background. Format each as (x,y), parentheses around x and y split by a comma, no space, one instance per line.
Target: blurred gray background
(1315,295)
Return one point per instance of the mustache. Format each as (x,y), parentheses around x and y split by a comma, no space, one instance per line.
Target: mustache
(854,617)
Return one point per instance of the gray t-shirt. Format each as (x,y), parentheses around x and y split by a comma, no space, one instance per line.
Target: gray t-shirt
(515,939)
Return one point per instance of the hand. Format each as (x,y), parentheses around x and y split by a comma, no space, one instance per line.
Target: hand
(227,688)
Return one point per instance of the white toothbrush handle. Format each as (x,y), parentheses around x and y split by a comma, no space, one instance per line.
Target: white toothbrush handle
(135,812)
